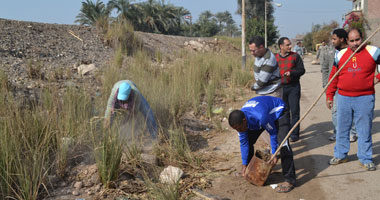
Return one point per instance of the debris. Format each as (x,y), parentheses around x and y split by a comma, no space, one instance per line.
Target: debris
(84,69)
(171,175)
(217,110)
(274,186)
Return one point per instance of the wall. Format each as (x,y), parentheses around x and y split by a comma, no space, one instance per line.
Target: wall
(372,15)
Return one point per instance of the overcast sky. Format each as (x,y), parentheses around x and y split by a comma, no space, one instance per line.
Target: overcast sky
(293,17)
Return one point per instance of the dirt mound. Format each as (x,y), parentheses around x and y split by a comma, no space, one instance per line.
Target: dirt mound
(34,55)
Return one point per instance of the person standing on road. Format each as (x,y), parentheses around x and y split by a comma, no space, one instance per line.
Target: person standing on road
(291,69)
(339,41)
(298,49)
(266,71)
(126,97)
(270,114)
(322,55)
(355,98)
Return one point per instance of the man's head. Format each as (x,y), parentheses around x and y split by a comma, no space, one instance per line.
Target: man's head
(237,121)
(256,46)
(124,92)
(285,45)
(323,43)
(339,38)
(355,38)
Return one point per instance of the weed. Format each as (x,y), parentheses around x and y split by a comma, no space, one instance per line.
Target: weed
(34,69)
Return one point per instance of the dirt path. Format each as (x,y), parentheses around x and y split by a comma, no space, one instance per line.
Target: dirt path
(315,178)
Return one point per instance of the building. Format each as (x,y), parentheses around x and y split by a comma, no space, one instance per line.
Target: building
(370,10)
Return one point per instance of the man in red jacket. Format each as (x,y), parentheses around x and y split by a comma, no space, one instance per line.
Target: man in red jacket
(291,69)
(355,98)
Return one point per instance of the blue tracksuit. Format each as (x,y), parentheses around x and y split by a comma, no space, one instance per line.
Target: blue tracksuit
(261,113)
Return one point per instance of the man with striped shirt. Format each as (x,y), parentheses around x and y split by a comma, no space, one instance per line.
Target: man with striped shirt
(266,72)
(291,69)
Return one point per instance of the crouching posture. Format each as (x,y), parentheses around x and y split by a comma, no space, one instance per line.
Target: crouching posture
(126,97)
(259,114)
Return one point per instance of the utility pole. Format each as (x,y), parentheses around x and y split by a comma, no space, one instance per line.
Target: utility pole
(243,34)
(265,22)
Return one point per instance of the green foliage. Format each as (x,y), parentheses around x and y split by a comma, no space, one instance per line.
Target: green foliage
(308,41)
(91,12)
(33,139)
(108,153)
(257,27)
(236,41)
(154,16)
(318,34)
(256,9)
(120,35)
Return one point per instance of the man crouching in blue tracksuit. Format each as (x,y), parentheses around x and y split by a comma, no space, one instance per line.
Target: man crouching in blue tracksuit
(259,114)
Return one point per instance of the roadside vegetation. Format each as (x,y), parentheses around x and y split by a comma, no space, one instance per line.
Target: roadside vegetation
(156,16)
(38,138)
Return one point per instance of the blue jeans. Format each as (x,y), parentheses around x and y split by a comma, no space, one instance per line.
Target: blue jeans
(359,110)
(147,112)
(333,113)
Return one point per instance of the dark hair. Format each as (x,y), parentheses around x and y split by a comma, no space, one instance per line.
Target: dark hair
(341,33)
(236,118)
(258,40)
(358,30)
(281,41)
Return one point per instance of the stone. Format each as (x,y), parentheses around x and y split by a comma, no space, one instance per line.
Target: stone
(171,175)
(78,185)
(97,188)
(75,193)
(85,69)
(196,45)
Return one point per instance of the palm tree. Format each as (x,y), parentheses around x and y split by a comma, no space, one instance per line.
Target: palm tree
(255,9)
(220,19)
(91,12)
(205,16)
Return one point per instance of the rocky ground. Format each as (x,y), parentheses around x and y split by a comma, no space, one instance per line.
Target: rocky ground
(37,55)
(34,55)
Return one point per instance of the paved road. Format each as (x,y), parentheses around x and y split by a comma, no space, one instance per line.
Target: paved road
(316,179)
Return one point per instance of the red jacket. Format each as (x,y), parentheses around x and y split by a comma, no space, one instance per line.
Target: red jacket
(356,79)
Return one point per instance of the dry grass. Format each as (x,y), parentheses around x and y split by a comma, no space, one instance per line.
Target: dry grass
(35,140)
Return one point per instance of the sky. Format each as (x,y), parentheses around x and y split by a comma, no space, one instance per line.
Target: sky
(292,18)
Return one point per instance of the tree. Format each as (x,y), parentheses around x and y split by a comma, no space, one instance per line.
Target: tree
(206,26)
(256,9)
(231,29)
(125,9)
(224,19)
(255,14)
(318,34)
(256,27)
(91,12)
